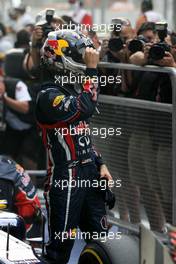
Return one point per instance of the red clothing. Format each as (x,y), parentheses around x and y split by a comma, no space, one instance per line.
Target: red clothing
(87,20)
(22,198)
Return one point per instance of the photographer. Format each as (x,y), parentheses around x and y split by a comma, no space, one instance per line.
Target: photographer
(45,25)
(148,31)
(17,141)
(71,156)
(158,53)
(159,50)
(115,50)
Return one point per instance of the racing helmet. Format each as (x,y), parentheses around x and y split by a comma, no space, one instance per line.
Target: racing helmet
(63,51)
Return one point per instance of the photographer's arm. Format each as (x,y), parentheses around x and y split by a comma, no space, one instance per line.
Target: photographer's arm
(138,58)
(141,58)
(167,61)
(34,59)
(37,42)
(19,106)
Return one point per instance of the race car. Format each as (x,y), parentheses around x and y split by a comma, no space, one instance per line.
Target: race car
(13,250)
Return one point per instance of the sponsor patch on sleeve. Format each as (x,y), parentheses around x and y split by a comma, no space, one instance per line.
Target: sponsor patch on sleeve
(58,100)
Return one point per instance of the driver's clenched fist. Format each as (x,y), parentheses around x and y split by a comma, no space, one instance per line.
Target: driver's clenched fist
(91,57)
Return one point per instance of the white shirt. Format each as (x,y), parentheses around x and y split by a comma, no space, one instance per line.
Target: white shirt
(22,95)
(153,16)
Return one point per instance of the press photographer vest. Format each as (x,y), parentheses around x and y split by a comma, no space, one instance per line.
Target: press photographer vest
(10,84)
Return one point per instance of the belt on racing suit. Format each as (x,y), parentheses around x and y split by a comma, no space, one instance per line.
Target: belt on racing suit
(74,163)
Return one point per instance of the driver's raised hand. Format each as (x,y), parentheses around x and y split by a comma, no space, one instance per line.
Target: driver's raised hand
(91,57)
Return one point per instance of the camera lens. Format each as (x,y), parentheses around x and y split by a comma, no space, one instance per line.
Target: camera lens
(157,52)
(115,44)
(135,45)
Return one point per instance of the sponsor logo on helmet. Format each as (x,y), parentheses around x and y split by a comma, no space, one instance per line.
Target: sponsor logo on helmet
(58,45)
(58,100)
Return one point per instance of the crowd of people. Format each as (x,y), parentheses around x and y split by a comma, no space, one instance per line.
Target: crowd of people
(29,63)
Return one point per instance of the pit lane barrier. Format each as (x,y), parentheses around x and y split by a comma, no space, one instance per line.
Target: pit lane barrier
(161,110)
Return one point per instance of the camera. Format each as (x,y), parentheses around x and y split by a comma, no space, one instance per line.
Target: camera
(137,44)
(157,51)
(46,24)
(116,44)
(47,28)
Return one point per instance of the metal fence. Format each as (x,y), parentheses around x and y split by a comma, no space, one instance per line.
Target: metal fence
(144,155)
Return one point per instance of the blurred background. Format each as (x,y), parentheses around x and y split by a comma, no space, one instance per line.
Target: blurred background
(102,10)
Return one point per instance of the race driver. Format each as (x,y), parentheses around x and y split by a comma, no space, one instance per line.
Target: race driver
(72,157)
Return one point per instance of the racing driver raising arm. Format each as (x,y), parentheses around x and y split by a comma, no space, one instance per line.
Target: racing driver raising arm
(71,155)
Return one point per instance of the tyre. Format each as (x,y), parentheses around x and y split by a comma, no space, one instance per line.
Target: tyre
(122,251)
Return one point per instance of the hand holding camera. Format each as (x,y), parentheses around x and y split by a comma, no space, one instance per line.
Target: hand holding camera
(47,27)
(158,53)
(42,28)
(37,36)
(167,61)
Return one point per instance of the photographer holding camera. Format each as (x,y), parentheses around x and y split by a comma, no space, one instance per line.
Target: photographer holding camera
(45,22)
(156,52)
(115,50)
(159,53)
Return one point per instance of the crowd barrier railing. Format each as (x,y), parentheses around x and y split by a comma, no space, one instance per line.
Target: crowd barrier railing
(148,106)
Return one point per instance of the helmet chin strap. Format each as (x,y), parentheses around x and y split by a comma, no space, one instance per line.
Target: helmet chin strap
(73,66)
(77,69)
